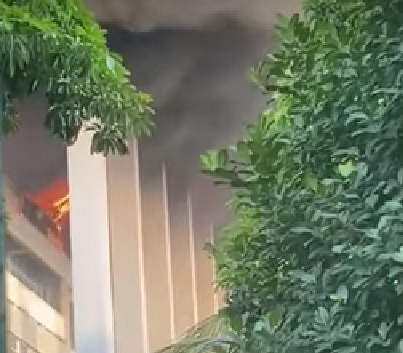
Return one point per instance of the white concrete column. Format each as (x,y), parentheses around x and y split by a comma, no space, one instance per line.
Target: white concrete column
(93,316)
(126,239)
(140,274)
(157,277)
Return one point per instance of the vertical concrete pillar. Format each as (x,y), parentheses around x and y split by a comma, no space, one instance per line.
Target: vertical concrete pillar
(140,274)
(156,249)
(179,223)
(209,216)
(90,250)
(65,301)
(203,208)
(126,241)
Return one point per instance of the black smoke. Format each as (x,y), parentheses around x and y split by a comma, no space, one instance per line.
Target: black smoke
(200,82)
(148,15)
(194,58)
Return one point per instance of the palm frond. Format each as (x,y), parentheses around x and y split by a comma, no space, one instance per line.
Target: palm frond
(213,335)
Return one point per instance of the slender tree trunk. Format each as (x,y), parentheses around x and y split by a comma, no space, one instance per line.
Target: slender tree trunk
(3,321)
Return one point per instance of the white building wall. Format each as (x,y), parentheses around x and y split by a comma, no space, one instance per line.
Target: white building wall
(90,251)
(139,263)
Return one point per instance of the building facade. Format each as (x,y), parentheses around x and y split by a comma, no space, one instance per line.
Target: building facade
(128,241)
(38,283)
(106,255)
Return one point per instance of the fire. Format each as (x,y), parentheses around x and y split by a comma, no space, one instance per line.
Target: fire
(48,210)
(62,207)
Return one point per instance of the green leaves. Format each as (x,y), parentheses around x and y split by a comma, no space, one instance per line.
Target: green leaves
(400,176)
(341,294)
(58,49)
(214,160)
(318,227)
(303,276)
(345,169)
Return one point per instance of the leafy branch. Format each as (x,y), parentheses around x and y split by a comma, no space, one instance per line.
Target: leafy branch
(55,48)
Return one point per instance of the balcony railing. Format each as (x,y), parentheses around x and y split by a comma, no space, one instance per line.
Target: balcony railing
(34,306)
(34,323)
(17,345)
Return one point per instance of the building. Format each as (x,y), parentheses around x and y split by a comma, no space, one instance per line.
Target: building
(106,255)
(38,276)
(145,298)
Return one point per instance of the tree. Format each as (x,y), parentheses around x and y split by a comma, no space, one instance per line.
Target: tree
(314,259)
(56,49)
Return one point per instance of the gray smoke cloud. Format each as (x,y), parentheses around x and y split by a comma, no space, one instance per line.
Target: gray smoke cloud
(204,98)
(193,57)
(200,82)
(146,15)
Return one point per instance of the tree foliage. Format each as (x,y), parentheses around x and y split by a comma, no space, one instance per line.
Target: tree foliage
(55,48)
(314,260)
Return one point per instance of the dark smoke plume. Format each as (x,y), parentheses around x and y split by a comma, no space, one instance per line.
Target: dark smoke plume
(200,83)
(193,56)
(146,15)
